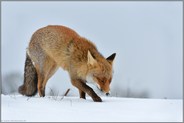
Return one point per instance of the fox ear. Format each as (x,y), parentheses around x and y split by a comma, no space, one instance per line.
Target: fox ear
(91,60)
(110,59)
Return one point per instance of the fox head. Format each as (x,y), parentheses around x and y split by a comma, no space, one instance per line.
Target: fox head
(100,71)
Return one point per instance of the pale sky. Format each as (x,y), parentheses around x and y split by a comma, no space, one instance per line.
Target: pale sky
(147,37)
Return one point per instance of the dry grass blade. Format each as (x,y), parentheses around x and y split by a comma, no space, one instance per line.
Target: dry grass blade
(65,93)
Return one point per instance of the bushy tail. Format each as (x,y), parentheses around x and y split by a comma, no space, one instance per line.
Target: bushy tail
(29,88)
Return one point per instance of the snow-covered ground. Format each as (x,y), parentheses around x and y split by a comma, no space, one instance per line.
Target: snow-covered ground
(20,108)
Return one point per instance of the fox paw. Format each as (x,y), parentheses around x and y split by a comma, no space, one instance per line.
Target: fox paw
(41,93)
(97,99)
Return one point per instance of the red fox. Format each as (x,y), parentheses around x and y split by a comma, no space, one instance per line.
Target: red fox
(57,46)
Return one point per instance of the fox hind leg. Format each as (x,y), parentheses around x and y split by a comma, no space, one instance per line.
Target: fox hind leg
(48,72)
(45,66)
(48,68)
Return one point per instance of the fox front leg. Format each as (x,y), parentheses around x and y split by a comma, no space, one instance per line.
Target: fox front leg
(86,89)
(82,94)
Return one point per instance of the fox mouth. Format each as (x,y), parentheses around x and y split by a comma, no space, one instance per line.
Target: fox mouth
(106,93)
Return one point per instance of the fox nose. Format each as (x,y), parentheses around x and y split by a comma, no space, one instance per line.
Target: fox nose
(107,94)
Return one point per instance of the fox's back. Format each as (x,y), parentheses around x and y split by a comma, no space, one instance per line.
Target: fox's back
(53,37)
(62,44)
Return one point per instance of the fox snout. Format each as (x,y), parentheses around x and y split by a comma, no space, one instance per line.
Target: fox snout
(107,93)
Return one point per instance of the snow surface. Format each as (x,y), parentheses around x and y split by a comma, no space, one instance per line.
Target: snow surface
(56,108)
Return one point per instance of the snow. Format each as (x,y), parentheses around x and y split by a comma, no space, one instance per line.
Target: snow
(20,108)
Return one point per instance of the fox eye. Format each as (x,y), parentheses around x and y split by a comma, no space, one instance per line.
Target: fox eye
(99,79)
(102,81)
